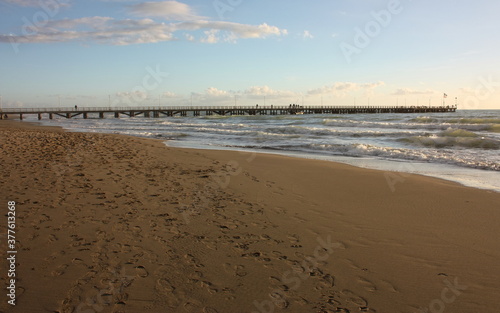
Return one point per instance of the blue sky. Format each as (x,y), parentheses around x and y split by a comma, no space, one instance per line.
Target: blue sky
(337,52)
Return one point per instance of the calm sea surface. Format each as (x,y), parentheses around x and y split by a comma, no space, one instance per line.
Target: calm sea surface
(463,146)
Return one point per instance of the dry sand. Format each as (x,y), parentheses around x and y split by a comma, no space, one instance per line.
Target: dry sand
(110,223)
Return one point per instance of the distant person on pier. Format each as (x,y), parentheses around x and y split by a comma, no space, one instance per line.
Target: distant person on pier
(76,107)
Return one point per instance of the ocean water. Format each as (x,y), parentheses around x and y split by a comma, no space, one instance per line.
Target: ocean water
(463,146)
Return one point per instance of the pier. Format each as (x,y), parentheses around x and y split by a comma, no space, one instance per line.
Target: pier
(156,112)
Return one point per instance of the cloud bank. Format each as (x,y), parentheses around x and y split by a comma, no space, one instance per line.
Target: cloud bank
(154,22)
(168,10)
(341,89)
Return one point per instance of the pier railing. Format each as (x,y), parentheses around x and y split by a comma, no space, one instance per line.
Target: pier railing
(203,108)
(157,111)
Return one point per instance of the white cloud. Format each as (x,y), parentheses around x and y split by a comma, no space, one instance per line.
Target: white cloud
(211,36)
(170,94)
(372,85)
(257,94)
(135,95)
(251,92)
(336,88)
(261,91)
(409,92)
(244,97)
(168,10)
(307,35)
(96,22)
(108,30)
(341,89)
(369,88)
(235,29)
(214,92)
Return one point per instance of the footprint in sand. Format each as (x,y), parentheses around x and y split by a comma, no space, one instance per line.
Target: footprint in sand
(190,259)
(279,210)
(136,230)
(196,275)
(52,238)
(273,280)
(89,276)
(354,265)
(106,298)
(369,286)
(293,238)
(151,257)
(60,270)
(164,286)
(237,270)
(326,282)
(228,267)
(240,271)
(279,300)
(192,306)
(141,271)
(354,298)
(78,261)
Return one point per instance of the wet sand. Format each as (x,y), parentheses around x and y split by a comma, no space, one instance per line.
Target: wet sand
(108,223)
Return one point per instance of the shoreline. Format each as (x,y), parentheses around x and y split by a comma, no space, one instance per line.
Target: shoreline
(407,167)
(465,176)
(470,174)
(140,226)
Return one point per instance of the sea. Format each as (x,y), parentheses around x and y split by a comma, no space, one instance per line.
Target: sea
(463,146)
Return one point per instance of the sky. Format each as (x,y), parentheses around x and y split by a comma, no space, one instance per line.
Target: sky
(240,52)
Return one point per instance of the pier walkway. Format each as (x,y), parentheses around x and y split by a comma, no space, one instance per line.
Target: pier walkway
(155,112)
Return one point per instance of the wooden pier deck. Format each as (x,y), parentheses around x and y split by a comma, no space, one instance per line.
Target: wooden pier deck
(155,112)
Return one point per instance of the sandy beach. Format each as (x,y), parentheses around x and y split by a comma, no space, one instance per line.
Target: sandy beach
(109,223)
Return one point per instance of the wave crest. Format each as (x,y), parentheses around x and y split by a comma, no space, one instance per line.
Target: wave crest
(453,141)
